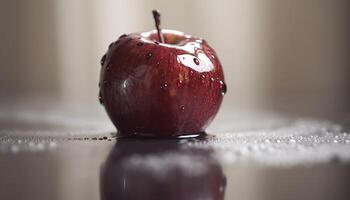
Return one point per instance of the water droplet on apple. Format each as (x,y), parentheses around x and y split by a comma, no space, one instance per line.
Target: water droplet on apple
(139,44)
(164,86)
(196,61)
(109,67)
(191,72)
(158,63)
(148,55)
(122,36)
(182,108)
(203,78)
(223,88)
(103,59)
(100,98)
(179,83)
(212,81)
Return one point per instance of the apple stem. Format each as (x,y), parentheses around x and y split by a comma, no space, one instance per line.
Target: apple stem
(156,16)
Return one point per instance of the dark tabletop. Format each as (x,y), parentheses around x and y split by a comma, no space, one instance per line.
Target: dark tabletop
(63,154)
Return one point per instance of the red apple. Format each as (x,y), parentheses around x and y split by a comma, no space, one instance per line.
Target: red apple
(161,83)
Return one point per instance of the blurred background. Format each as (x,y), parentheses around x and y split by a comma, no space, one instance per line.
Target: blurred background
(284,56)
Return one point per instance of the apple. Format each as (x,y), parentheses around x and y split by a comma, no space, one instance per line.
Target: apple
(161,83)
(161,169)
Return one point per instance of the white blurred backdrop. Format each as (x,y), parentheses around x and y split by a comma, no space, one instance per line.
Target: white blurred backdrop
(286,56)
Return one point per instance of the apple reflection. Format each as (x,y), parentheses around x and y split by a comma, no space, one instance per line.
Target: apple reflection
(161,169)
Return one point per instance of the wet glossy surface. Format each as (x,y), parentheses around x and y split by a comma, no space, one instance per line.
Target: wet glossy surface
(178,86)
(161,169)
(53,154)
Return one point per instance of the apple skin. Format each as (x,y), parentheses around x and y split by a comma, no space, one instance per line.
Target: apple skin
(157,89)
(161,169)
